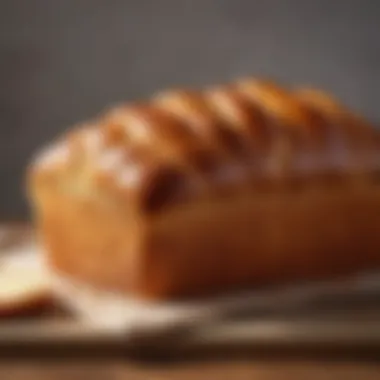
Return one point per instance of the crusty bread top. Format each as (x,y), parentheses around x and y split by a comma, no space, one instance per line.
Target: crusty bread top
(183,142)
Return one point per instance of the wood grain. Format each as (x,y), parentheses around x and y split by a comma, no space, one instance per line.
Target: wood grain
(258,370)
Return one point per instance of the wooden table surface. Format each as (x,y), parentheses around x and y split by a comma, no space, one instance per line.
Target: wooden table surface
(244,369)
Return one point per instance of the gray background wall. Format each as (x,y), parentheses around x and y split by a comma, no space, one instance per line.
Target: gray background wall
(62,61)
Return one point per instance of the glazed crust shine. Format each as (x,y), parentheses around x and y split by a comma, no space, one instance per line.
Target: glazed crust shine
(201,192)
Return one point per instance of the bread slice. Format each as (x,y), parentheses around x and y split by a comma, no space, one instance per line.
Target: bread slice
(24,284)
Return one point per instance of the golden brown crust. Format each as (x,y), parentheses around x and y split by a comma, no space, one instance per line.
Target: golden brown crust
(156,184)
(255,126)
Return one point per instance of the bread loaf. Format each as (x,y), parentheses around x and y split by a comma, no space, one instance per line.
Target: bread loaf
(194,193)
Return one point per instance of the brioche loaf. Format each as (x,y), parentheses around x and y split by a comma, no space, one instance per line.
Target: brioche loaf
(194,193)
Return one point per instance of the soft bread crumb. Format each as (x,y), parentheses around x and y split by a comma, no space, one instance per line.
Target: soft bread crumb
(24,284)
